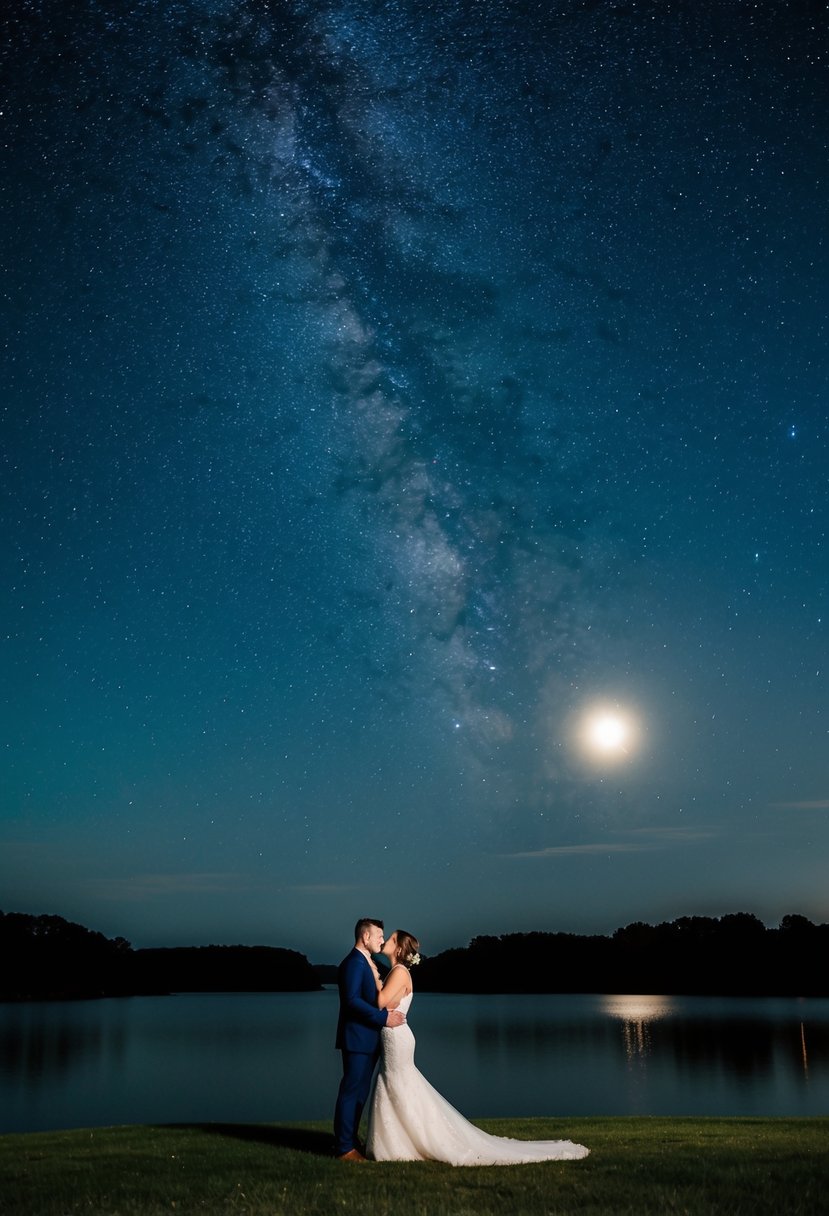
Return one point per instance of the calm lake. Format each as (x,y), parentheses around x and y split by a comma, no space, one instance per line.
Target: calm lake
(252,1057)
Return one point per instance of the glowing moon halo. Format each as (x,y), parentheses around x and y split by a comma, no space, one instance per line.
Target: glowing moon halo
(608,734)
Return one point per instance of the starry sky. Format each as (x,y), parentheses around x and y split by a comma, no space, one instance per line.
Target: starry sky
(386,387)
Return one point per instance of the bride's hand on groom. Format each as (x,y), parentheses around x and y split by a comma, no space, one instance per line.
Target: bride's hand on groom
(395,1018)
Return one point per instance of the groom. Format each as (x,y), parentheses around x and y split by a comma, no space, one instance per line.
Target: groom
(358,1034)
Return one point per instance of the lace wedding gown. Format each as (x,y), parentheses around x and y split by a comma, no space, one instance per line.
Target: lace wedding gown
(410,1121)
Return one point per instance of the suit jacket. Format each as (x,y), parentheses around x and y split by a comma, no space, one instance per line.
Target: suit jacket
(360,1021)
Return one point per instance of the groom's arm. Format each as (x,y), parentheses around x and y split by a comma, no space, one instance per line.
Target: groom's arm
(358,1007)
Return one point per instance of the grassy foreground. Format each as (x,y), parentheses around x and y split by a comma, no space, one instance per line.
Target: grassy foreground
(738,1167)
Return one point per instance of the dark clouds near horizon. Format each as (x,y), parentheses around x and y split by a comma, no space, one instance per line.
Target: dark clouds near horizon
(385,383)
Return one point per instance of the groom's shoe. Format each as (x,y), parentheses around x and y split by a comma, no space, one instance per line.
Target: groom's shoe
(352,1155)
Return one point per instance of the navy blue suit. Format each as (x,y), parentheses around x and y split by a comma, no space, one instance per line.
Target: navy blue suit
(358,1038)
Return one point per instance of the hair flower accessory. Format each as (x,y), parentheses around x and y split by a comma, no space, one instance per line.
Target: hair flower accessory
(414,959)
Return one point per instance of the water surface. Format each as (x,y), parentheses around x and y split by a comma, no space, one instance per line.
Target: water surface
(259,1057)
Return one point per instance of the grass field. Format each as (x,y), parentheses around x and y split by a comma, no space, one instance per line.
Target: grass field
(739,1167)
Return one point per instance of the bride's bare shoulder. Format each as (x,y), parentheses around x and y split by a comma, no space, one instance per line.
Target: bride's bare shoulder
(398,978)
(395,985)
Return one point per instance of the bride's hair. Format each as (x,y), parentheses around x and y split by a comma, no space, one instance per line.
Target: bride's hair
(407,946)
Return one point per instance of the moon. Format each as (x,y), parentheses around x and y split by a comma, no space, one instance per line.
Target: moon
(608,733)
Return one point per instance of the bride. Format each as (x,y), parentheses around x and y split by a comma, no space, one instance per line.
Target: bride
(408,1119)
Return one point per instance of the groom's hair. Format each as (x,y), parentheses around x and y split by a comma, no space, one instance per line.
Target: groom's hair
(365,923)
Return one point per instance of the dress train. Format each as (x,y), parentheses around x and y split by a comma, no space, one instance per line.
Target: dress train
(410,1121)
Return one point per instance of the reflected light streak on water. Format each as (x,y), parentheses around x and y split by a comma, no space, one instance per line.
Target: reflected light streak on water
(636,1013)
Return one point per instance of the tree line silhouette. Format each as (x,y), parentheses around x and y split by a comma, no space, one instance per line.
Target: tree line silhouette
(47,957)
(733,955)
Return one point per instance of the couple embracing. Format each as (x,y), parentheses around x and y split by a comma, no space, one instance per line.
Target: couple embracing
(408,1120)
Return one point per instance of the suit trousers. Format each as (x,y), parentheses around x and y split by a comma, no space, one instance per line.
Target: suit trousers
(358,1069)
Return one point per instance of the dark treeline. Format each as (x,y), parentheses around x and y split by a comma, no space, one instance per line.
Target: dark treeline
(47,957)
(733,955)
(224,969)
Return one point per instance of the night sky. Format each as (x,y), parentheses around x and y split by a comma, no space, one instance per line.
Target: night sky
(387,386)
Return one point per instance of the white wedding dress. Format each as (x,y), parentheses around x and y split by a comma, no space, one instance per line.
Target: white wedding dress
(410,1121)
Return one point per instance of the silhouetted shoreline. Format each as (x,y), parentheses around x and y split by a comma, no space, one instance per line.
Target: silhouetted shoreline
(49,958)
(734,955)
